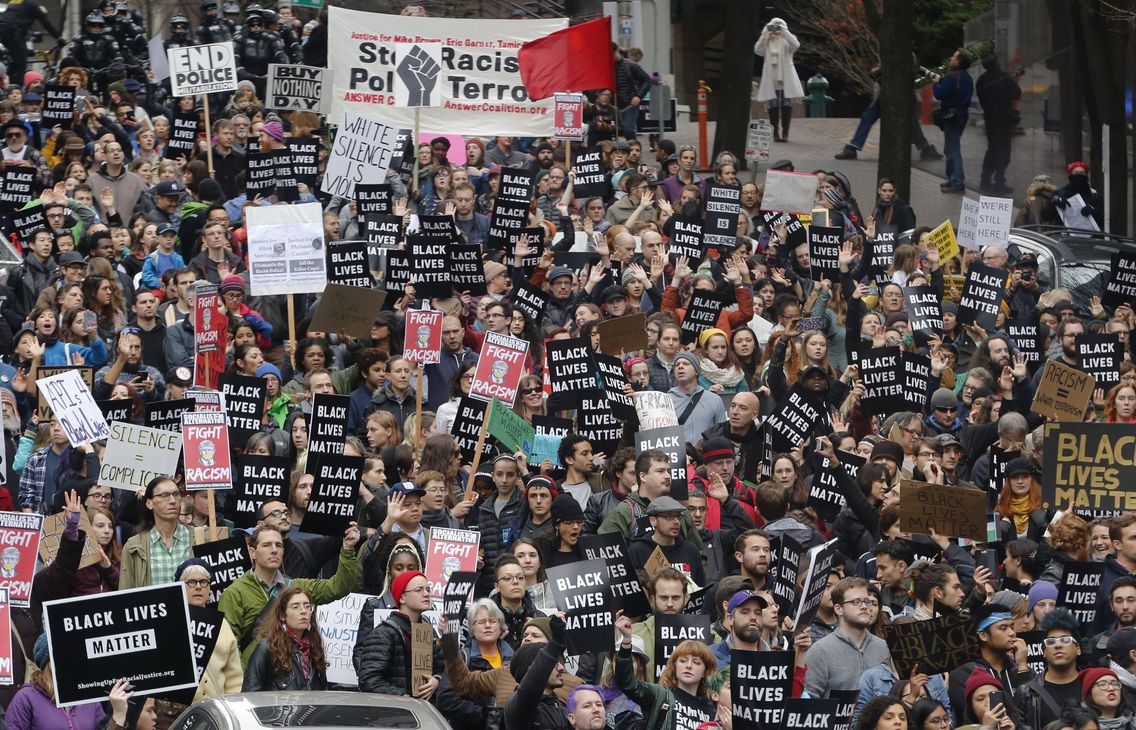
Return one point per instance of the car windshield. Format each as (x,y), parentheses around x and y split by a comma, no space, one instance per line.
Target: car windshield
(305,715)
(1085,272)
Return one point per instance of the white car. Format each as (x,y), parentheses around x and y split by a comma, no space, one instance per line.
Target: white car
(309,709)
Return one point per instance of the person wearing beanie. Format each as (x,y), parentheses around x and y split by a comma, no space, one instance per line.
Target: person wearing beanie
(1041,600)
(540,492)
(1092,201)
(944,417)
(720,371)
(33,706)
(562,546)
(1104,695)
(279,403)
(1041,699)
(697,409)
(382,656)
(272,137)
(1004,659)
(977,712)
(234,293)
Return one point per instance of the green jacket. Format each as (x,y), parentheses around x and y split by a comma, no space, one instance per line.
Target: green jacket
(344,381)
(622,520)
(243,601)
(653,700)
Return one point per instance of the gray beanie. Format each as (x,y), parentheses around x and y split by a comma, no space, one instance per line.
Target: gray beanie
(689,357)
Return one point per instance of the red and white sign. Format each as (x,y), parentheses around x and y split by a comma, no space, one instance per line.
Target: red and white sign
(205,440)
(568,117)
(422,342)
(19,546)
(7,675)
(499,368)
(450,551)
(207,401)
(210,327)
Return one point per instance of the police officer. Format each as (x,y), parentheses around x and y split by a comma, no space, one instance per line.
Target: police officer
(179,33)
(255,48)
(287,35)
(213,28)
(15,22)
(130,36)
(232,17)
(97,51)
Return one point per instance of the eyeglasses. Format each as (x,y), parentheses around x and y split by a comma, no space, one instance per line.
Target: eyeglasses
(927,453)
(485,621)
(911,431)
(302,607)
(1107,684)
(421,589)
(861,602)
(1058,640)
(166,495)
(952,409)
(197,582)
(101,497)
(276,513)
(15,135)
(511,578)
(939,721)
(435,490)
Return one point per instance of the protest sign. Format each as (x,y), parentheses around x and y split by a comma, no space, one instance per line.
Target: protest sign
(793,423)
(1120,287)
(820,559)
(1100,356)
(510,430)
(49,542)
(609,368)
(824,252)
(881,372)
(475,88)
(669,440)
(327,431)
(382,232)
(883,248)
(449,551)
(945,509)
(1026,337)
(415,84)
(203,69)
(455,599)
(686,239)
(285,249)
(531,300)
(1035,649)
(244,405)
(204,628)
(673,629)
(917,380)
(205,438)
(422,343)
(339,628)
(300,88)
(6,668)
(27,221)
(550,431)
(720,223)
(785,565)
(568,117)
(789,192)
(967,234)
(701,314)
(183,136)
(937,645)
(43,410)
(925,311)
(429,260)
(373,199)
(140,635)
(228,560)
(361,153)
(260,174)
(596,422)
(286,185)
(499,368)
(994,218)
(1074,216)
(845,707)
(809,712)
(421,652)
(1085,463)
(335,493)
(570,367)
(466,271)
(943,237)
(166,415)
(350,308)
(626,590)
(16,189)
(582,592)
(19,536)
(348,264)
(655,410)
(115,410)
(71,401)
(209,327)
(136,454)
(982,296)
(824,496)
(257,480)
(304,153)
(510,209)
(622,334)
(58,106)
(1079,590)
(467,426)
(761,682)
(591,175)
(1063,393)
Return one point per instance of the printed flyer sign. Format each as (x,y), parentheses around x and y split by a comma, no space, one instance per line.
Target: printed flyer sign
(450,551)
(206,442)
(285,249)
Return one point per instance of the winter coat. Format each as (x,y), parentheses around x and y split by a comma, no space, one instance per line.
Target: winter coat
(261,676)
(530,707)
(31,709)
(781,70)
(496,536)
(382,656)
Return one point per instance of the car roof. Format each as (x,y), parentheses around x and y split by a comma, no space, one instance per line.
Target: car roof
(239,709)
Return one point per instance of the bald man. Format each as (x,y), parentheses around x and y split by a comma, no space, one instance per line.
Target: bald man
(740,428)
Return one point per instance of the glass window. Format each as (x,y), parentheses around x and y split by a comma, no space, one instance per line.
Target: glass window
(336,716)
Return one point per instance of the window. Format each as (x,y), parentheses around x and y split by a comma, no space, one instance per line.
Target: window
(335,716)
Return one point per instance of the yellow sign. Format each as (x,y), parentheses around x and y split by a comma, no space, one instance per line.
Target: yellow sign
(944,238)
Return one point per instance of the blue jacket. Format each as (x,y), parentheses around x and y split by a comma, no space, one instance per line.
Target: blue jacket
(95,356)
(152,270)
(955,90)
(879,680)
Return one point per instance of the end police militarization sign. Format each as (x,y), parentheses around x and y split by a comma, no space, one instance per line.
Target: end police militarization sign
(202,69)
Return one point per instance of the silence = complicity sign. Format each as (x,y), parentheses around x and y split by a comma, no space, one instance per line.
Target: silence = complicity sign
(202,69)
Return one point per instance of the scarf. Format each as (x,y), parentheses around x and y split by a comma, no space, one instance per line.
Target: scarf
(726,377)
(304,644)
(774,49)
(1020,511)
(1119,722)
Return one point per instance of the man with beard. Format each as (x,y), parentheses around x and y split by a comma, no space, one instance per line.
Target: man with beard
(837,661)
(668,591)
(586,708)
(629,518)
(1122,603)
(745,610)
(696,412)
(1068,331)
(11,440)
(1043,698)
(539,670)
(753,552)
(580,477)
(129,368)
(665,514)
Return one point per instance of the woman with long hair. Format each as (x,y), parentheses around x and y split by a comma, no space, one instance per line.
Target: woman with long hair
(1120,404)
(536,580)
(904,263)
(440,453)
(744,345)
(721,370)
(883,713)
(33,706)
(102,296)
(857,527)
(296,426)
(1019,503)
(929,714)
(530,400)
(382,431)
(290,653)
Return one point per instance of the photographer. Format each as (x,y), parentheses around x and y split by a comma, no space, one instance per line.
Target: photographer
(780,84)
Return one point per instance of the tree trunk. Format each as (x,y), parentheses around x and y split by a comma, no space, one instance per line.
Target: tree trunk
(896,94)
(740,35)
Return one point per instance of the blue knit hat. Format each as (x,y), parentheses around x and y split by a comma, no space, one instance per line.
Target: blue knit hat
(269,369)
(41,653)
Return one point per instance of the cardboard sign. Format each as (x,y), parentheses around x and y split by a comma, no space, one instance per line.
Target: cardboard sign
(303,88)
(183,136)
(244,405)
(820,560)
(449,551)
(570,367)
(466,429)
(626,590)
(591,176)
(669,440)
(1085,463)
(655,410)
(994,218)
(624,334)
(967,234)
(228,560)
(943,237)
(824,252)
(610,371)
(141,635)
(53,527)
(136,454)
(789,192)
(361,153)
(596,422)
(467,273)
(16,189)
(824,496)
(335,493)
(550,431)
(421,652)
(202,69)
(672,630)
(1063,393)
(949,510)
(1121,284)
(285,249)
(499,368)
(761,682)
(1100,356)
(456,594)
(881,372)
(350,308)
(568,117)
(58,106)
(512,431)
(257,480)
(1079,590)
(348,263)
(982,296)
(327,431)
(205,437)
(511,208)
(720,224)
(582,592)
(71,401)
(422,342)
(937,645)
(19,536)
(925,311)
(785,565)
(701,314)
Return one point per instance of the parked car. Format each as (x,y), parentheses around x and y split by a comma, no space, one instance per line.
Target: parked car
(309,709)
(1078,261)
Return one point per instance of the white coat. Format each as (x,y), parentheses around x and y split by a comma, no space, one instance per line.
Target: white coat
(781,70)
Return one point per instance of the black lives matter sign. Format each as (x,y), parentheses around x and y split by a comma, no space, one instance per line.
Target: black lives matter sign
(328,429)
(429,260)
(760,684)
(582,592)
(467,273)
(686,238)
(626,590)
(335,492)
(244,405)
(591,178)
(982,296)
(511,208)
(924,311)
(228,560)
(701,314)
(824,252)
(1080,588)
(881,372)
(570,366)
(1100,355)
(183,135)
(256,480)
(348,264)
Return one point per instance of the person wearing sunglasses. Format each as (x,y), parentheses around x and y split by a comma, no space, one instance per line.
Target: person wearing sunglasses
(19,153)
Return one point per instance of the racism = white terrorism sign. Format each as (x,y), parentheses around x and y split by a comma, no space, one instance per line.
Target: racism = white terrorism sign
(202,69)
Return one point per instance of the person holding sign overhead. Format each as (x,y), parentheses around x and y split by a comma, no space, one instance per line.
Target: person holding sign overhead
(289,655)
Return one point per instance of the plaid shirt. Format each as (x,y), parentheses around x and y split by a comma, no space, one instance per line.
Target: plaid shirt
(163,561)
(32,479)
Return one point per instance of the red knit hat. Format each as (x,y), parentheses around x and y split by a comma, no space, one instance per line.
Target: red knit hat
(398,585)
(1074,165)
(1091,676)
(980,678)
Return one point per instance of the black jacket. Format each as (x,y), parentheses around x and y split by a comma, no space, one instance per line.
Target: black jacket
(682,555)
(530,707)
(494,539)
(382,655)
(260,676)
(515,620)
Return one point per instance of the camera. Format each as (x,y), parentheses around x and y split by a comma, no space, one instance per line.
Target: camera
(1027,276)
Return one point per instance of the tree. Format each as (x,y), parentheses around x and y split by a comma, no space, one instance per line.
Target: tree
(897,99)
(838,36)
(741,34)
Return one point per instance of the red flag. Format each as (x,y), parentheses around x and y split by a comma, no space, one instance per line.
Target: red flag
(578,58)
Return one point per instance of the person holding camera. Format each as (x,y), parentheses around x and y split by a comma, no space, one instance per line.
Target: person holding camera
(780,84)
(954,92)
